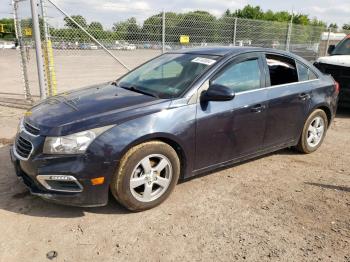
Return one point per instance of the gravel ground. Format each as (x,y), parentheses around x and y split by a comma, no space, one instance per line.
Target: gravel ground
(281,207)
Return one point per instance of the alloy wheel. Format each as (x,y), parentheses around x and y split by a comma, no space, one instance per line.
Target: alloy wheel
(315,131)
(151,177)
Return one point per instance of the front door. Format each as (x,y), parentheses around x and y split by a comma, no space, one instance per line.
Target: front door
(226,130)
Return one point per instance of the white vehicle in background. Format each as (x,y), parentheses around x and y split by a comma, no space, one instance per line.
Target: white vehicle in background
(128,46)
(93,47)
(337,64)
(7,45)
(121,45)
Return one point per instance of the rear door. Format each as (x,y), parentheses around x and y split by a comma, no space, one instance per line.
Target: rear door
(229,129)
(288,100)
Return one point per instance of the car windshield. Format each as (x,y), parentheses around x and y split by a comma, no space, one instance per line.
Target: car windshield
(343,48)
(168,75)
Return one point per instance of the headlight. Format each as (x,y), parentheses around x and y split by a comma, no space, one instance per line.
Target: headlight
(72,144)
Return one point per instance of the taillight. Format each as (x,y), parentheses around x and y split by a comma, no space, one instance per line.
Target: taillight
(337,87)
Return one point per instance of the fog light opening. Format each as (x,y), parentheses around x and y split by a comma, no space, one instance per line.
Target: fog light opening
(60,183)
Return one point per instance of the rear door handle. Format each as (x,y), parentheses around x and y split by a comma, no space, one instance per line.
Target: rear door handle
(304,96)
(258,108)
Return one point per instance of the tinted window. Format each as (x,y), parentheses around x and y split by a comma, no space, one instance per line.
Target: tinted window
(282,70)
(305,73)
(240,77)
(343,48)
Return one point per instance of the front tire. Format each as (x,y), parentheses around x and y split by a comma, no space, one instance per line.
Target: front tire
(146,176)
(314,132)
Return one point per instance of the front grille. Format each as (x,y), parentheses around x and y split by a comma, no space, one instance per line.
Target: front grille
(31,129)
(23,147)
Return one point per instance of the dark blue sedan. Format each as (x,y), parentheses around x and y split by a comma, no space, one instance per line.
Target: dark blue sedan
(181,114)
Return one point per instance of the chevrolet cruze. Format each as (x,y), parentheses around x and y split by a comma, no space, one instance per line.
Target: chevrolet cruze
(178,115)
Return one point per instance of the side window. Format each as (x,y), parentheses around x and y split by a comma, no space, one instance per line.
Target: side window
(282,69)
(241,76)
(305,73)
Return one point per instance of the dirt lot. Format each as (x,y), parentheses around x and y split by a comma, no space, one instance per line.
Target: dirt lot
(281,207)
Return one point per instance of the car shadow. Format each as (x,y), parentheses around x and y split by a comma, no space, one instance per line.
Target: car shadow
(333,187)
(16,198)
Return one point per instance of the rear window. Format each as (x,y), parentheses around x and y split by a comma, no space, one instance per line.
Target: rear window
(282,69)
(305,73)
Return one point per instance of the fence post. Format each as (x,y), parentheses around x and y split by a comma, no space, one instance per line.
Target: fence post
(163,32)
(39,55)
(234,32)
(289,33)
(328,39)
(23,61)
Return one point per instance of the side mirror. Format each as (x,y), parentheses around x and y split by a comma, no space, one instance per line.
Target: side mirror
(330,49)
(218,93)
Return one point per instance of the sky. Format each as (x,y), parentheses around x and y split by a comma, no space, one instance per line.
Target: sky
(110,11)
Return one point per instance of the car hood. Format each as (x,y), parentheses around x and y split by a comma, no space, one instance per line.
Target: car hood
(339,60)
(91,107)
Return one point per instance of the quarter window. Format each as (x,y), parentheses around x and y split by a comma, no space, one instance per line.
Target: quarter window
(282,69)
(240,77)
(305,73)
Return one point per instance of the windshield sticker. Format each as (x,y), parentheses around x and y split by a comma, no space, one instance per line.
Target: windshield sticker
(202,60)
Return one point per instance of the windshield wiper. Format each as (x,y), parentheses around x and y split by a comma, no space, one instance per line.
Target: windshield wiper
(138,90)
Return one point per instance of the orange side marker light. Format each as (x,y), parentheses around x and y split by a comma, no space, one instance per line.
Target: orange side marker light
(97,181)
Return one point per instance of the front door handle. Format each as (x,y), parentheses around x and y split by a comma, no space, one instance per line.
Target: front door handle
(258,108)
(304,96)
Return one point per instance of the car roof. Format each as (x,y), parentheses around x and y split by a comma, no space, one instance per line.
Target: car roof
(225,51)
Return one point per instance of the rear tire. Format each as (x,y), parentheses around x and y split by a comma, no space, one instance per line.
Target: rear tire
(146,176)
(314,132)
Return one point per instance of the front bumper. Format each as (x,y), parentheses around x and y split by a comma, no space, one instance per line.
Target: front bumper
(90,196)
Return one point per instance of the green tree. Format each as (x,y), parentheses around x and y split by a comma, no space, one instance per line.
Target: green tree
(333,26)
(127,30)
(346,26)
(152,28)
(249,12)
(77,18)
(9,28)
(316,22)
(201,26)
(96,26)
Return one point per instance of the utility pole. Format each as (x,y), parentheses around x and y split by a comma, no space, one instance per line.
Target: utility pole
(39,54)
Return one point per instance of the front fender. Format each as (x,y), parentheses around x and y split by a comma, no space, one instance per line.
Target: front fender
(173,124)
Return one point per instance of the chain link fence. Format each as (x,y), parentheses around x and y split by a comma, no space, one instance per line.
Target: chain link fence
(79,51)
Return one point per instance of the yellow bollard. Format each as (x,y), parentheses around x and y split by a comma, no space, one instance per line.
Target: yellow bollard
(50,69)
